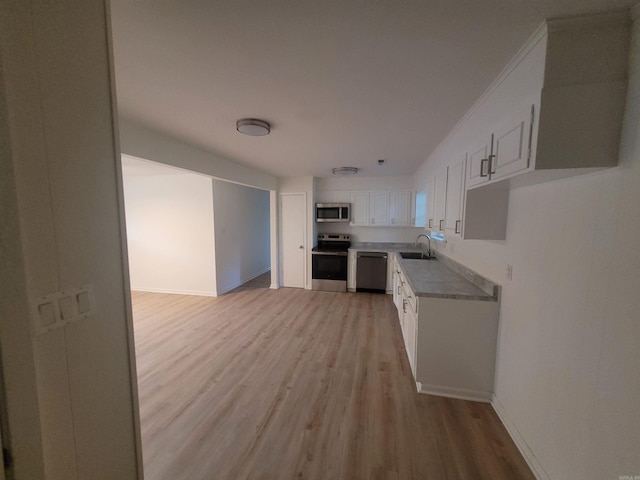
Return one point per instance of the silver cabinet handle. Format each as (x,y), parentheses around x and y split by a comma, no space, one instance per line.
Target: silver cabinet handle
(491,164)
(483,163)
(398,289)
(430,222)
(440,225)
(458,224)
(404,305)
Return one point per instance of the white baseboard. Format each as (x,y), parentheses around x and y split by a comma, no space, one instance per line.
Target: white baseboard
(518,439)
(174,292)
(454,392)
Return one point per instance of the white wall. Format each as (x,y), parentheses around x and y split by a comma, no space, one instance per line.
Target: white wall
(337,189)
(242,233)
(77,418)
(568,379)
(170,231)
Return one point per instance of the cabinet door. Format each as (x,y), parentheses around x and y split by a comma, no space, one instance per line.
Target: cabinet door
(478,161)
(439,201)
(511,144)
(379,208)
(429,187)
(351,270)
(411,334)
(396,283)
(455,193)
(400,208)
(360,208)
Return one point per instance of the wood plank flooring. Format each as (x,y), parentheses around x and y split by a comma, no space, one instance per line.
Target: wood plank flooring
(289,383)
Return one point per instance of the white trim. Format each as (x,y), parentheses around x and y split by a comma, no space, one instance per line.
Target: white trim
(452,392)
(518,439)
(174,292)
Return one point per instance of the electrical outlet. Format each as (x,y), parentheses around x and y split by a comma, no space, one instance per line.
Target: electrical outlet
(509,271)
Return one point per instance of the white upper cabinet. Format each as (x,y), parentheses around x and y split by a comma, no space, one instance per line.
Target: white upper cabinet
(400,208)
(360,208)
(503,152)
(454,198)
(478,160)
(439,200)
(379,208)
(557,110)
(510,152)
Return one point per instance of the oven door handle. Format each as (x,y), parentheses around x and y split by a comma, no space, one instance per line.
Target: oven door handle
(342,254)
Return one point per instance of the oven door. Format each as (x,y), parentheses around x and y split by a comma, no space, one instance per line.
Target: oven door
(329,271)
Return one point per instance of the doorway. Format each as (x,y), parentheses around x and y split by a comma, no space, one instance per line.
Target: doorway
(190,238)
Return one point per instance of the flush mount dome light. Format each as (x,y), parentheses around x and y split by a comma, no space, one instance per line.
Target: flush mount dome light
(253,127)
(344,171)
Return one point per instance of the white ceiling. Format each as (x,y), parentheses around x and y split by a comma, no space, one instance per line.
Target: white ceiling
(343,82)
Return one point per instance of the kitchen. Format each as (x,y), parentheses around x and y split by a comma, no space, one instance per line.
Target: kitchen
(566,377)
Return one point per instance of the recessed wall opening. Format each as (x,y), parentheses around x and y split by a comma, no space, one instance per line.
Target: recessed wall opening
(190,238)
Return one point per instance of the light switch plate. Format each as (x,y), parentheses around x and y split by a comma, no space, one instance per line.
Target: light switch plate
(59,309)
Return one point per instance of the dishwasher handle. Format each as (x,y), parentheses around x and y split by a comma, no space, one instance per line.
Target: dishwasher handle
(372,254)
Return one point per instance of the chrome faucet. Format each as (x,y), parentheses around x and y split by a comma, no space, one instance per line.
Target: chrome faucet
(429,245)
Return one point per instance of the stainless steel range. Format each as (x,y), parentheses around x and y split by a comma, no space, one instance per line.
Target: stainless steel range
(329,262)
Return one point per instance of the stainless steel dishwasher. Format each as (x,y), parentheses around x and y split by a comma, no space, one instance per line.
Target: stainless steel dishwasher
(371,272)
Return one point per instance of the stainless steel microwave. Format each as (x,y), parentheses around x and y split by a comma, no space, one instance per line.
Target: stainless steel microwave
(333,212)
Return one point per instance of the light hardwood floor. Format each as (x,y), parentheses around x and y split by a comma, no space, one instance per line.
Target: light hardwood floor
(289,383)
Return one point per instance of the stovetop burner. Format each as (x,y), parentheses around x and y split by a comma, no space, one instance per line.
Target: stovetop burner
(332,243)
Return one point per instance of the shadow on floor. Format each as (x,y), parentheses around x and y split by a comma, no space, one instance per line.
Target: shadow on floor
(261,281)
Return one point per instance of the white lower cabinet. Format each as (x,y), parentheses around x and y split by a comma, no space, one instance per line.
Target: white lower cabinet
(450,343)
(352,261)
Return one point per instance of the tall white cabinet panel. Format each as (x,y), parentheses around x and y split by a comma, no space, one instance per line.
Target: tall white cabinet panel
(454,198)
(429,185)
(400,208)
(360,208)
(379,208)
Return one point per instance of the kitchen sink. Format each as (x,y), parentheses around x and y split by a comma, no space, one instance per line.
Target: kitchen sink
(416,256)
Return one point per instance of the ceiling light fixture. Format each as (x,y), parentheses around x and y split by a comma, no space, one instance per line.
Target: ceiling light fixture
(253,127)
(344,171)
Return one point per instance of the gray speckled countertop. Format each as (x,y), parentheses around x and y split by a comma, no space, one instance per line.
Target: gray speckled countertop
(384,247)
(441,278)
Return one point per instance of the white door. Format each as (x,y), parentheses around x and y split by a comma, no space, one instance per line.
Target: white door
(293,210)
